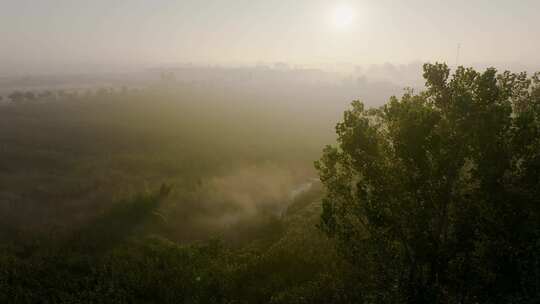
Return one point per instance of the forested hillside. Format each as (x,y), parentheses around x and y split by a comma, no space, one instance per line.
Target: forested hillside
(191,194)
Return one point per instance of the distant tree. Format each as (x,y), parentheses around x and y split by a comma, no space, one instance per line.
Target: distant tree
(29,95)
(88,93)
(16,96)
(73,94)
(61,93)
(168,76)
(435,197)
(47,95)
(102,92)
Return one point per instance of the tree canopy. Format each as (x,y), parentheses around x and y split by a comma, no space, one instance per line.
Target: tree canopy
(435,196)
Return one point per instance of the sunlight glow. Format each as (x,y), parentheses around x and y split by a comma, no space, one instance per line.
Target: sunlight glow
(343,17)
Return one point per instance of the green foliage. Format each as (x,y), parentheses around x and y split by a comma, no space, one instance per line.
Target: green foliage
(150,270)
(434,197)
(125,219)
(120,258)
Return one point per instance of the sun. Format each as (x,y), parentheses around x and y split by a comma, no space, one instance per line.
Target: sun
(343,17)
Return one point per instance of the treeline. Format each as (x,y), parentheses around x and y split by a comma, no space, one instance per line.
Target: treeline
(20,96)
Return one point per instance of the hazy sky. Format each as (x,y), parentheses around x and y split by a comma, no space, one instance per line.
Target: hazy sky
(43,33)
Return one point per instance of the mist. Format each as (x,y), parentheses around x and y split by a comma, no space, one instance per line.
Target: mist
(58,36)
(304,151)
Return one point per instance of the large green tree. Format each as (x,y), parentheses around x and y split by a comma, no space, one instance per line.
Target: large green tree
(435,197)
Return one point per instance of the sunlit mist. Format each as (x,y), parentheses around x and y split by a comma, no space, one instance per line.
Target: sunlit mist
(343,17)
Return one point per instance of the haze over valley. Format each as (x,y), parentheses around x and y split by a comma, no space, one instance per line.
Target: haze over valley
(240,151)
